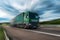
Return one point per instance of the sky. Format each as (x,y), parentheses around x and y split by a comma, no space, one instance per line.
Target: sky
(47,9)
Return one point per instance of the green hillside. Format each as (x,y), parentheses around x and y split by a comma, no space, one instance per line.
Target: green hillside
(56,21)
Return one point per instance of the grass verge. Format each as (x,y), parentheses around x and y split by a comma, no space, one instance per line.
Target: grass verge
(2,37)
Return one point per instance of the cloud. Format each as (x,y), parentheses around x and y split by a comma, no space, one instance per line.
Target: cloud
(10,9)
(49,15)
(4,21)
(5,16)
(23,4)
(47,9)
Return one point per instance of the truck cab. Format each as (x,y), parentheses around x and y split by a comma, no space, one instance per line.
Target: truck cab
(31,20)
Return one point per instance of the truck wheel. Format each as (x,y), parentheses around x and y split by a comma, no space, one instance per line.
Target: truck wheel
(25,27)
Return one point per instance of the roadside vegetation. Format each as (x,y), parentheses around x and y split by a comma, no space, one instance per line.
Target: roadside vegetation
(56,21)
(5,24)
(2,37)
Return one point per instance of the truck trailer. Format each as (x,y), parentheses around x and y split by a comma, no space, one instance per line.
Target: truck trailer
(26,20)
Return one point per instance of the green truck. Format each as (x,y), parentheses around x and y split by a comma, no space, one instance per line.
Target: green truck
(26,20)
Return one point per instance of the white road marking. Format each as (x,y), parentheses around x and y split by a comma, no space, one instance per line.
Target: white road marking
(6,36)
(44,33)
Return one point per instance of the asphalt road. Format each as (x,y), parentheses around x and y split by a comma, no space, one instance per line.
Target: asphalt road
(50,30)
(22,34)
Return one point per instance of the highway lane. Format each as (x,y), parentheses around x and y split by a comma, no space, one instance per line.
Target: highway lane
(49,30)
(22,34)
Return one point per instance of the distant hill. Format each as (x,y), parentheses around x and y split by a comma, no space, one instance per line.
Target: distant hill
(56,21)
